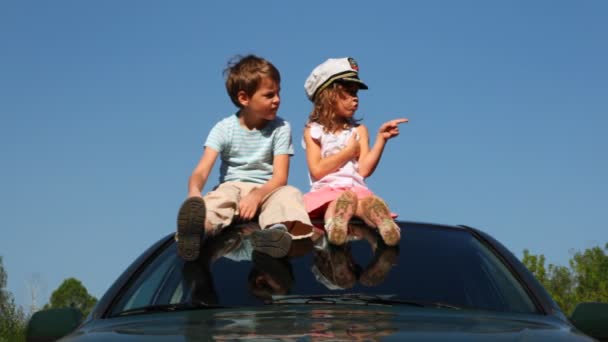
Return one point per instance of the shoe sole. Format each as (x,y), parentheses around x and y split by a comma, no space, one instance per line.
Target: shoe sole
(274,242)
(390,232)
(388,229)
(337,235)
(190,228)
(339,232)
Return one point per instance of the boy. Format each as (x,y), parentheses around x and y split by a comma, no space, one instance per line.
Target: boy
(254,146)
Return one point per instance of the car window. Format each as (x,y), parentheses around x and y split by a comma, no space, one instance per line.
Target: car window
(152,282)
(511,294)
(432,264)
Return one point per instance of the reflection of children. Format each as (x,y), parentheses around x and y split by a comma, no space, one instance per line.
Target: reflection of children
(269,276)
(254,145)
(385,257)
(335,267)
(338,153)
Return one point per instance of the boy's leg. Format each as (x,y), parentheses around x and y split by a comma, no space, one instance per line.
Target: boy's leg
(222,206)
(337,216)
(275,240)
(283,218)
(190,221)
(286,205)
(198,216)
(375,212)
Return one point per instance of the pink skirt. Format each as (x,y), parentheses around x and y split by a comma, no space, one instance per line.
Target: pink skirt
(316,202)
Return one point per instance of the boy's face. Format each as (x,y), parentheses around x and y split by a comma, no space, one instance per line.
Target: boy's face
(264,103)
(348,100)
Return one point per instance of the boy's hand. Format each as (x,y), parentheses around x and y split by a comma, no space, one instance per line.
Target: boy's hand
(248,206)
(390,129)
(353,145)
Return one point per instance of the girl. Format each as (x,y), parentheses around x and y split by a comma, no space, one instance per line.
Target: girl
(338,153)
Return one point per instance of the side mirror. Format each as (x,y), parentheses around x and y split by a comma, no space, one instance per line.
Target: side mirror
(52,324)
(592,319)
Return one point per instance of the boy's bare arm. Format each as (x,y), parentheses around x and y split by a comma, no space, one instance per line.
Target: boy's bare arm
(320,167)
(201,172)
(369,158)
(248,206)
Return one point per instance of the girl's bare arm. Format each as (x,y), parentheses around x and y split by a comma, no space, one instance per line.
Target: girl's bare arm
(320,167)
(369,158)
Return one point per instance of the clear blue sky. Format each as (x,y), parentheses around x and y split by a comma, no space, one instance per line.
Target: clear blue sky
(105,105)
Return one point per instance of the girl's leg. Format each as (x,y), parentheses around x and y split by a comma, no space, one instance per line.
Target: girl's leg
(337,216)
(375,212)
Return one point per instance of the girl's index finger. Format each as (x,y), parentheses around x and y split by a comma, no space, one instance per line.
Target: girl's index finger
(400,121)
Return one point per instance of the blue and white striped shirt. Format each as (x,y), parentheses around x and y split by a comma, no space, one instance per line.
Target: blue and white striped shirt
(247,156)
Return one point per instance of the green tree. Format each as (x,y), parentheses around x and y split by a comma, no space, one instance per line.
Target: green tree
(12,318)
(557,280)
(536,265)
(585,281)
(71,293)
(591,274)
(561,285)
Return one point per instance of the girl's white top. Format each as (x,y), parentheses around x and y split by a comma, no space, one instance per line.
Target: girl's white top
(348,175)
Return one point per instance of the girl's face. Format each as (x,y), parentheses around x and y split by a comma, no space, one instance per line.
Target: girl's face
(347,101)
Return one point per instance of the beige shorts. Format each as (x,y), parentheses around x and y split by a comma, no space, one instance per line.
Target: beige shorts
(283,204)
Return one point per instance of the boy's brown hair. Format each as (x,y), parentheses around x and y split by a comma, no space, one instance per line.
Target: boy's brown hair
(246,73)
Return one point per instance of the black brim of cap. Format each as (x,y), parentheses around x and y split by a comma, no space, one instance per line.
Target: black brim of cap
(354,80)
(343,77)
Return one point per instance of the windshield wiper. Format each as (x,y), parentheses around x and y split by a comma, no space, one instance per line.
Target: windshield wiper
(167,308)
(357,299)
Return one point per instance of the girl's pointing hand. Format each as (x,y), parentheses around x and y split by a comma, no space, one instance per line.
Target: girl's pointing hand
(390,129)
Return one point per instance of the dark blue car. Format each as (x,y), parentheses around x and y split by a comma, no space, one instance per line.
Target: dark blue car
(441,283)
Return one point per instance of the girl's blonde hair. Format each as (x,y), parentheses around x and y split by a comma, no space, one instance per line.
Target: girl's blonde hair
(323,111)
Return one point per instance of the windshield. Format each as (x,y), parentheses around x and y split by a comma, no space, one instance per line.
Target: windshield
(433,265)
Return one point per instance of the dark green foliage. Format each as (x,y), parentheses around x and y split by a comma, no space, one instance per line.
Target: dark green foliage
(591,271)
(12,318)
(586,280)
(71,293)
